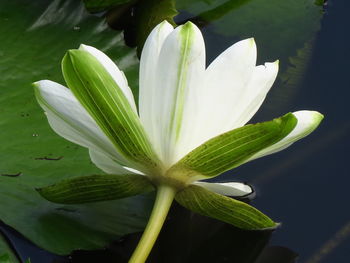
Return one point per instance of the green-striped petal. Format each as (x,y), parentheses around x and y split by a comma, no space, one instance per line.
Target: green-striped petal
(114,71)
(231,149)
(180,68)
(98,92)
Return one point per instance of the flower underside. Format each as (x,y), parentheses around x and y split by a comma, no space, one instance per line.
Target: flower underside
(190,124)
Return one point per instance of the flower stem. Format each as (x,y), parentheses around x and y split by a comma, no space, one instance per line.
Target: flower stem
(164,199)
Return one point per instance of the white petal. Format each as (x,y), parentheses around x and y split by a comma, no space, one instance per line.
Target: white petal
(180,69)
(70,120)
(148,77)
(234,90)
(234,189)
(254,93)
(114,71)
(307,123)
(108,165)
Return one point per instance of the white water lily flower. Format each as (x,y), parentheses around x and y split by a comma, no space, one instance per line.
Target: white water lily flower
(190,126)
(182,104)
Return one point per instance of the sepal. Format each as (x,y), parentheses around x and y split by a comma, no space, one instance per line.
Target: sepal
(93,188)
(231,149)
(223,208)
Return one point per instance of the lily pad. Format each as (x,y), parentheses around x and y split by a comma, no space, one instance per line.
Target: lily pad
(279,26)
(36,34)
(101,5)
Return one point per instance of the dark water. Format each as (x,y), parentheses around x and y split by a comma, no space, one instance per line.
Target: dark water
(305,187)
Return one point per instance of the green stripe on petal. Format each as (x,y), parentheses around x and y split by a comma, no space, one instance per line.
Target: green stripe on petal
(183,53)
(186,36)
(223,208)
(97,91)
(231,149)
(93,188)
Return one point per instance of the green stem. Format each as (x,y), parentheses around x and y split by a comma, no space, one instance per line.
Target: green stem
(164,199)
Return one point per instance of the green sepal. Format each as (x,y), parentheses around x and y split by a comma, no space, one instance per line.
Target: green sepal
(94,188)
(100,95)
(223,208)
(231,149)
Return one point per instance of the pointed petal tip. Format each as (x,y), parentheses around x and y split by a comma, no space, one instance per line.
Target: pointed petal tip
(316,116)
(42,84)
(189,26)
(310,116)
(83,47)
(163,28)
(35,84)
(308,121)
(73,53)
(165,23)
(275,64)
(246,45)
(234,189)
(248,41)
(86,48)
(251,41)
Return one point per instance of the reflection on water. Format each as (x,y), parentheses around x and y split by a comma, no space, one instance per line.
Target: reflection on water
(332,244)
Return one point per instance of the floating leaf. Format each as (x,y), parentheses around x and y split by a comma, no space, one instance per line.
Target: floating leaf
(38,33)
(101,5)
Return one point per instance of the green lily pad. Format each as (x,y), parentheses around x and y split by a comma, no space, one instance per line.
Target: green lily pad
(36,35)
(280,26)
(101,5)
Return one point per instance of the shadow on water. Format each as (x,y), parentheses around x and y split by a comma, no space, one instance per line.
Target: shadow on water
(186,237)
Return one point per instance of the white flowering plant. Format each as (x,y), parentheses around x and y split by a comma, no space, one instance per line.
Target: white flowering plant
(190,125)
